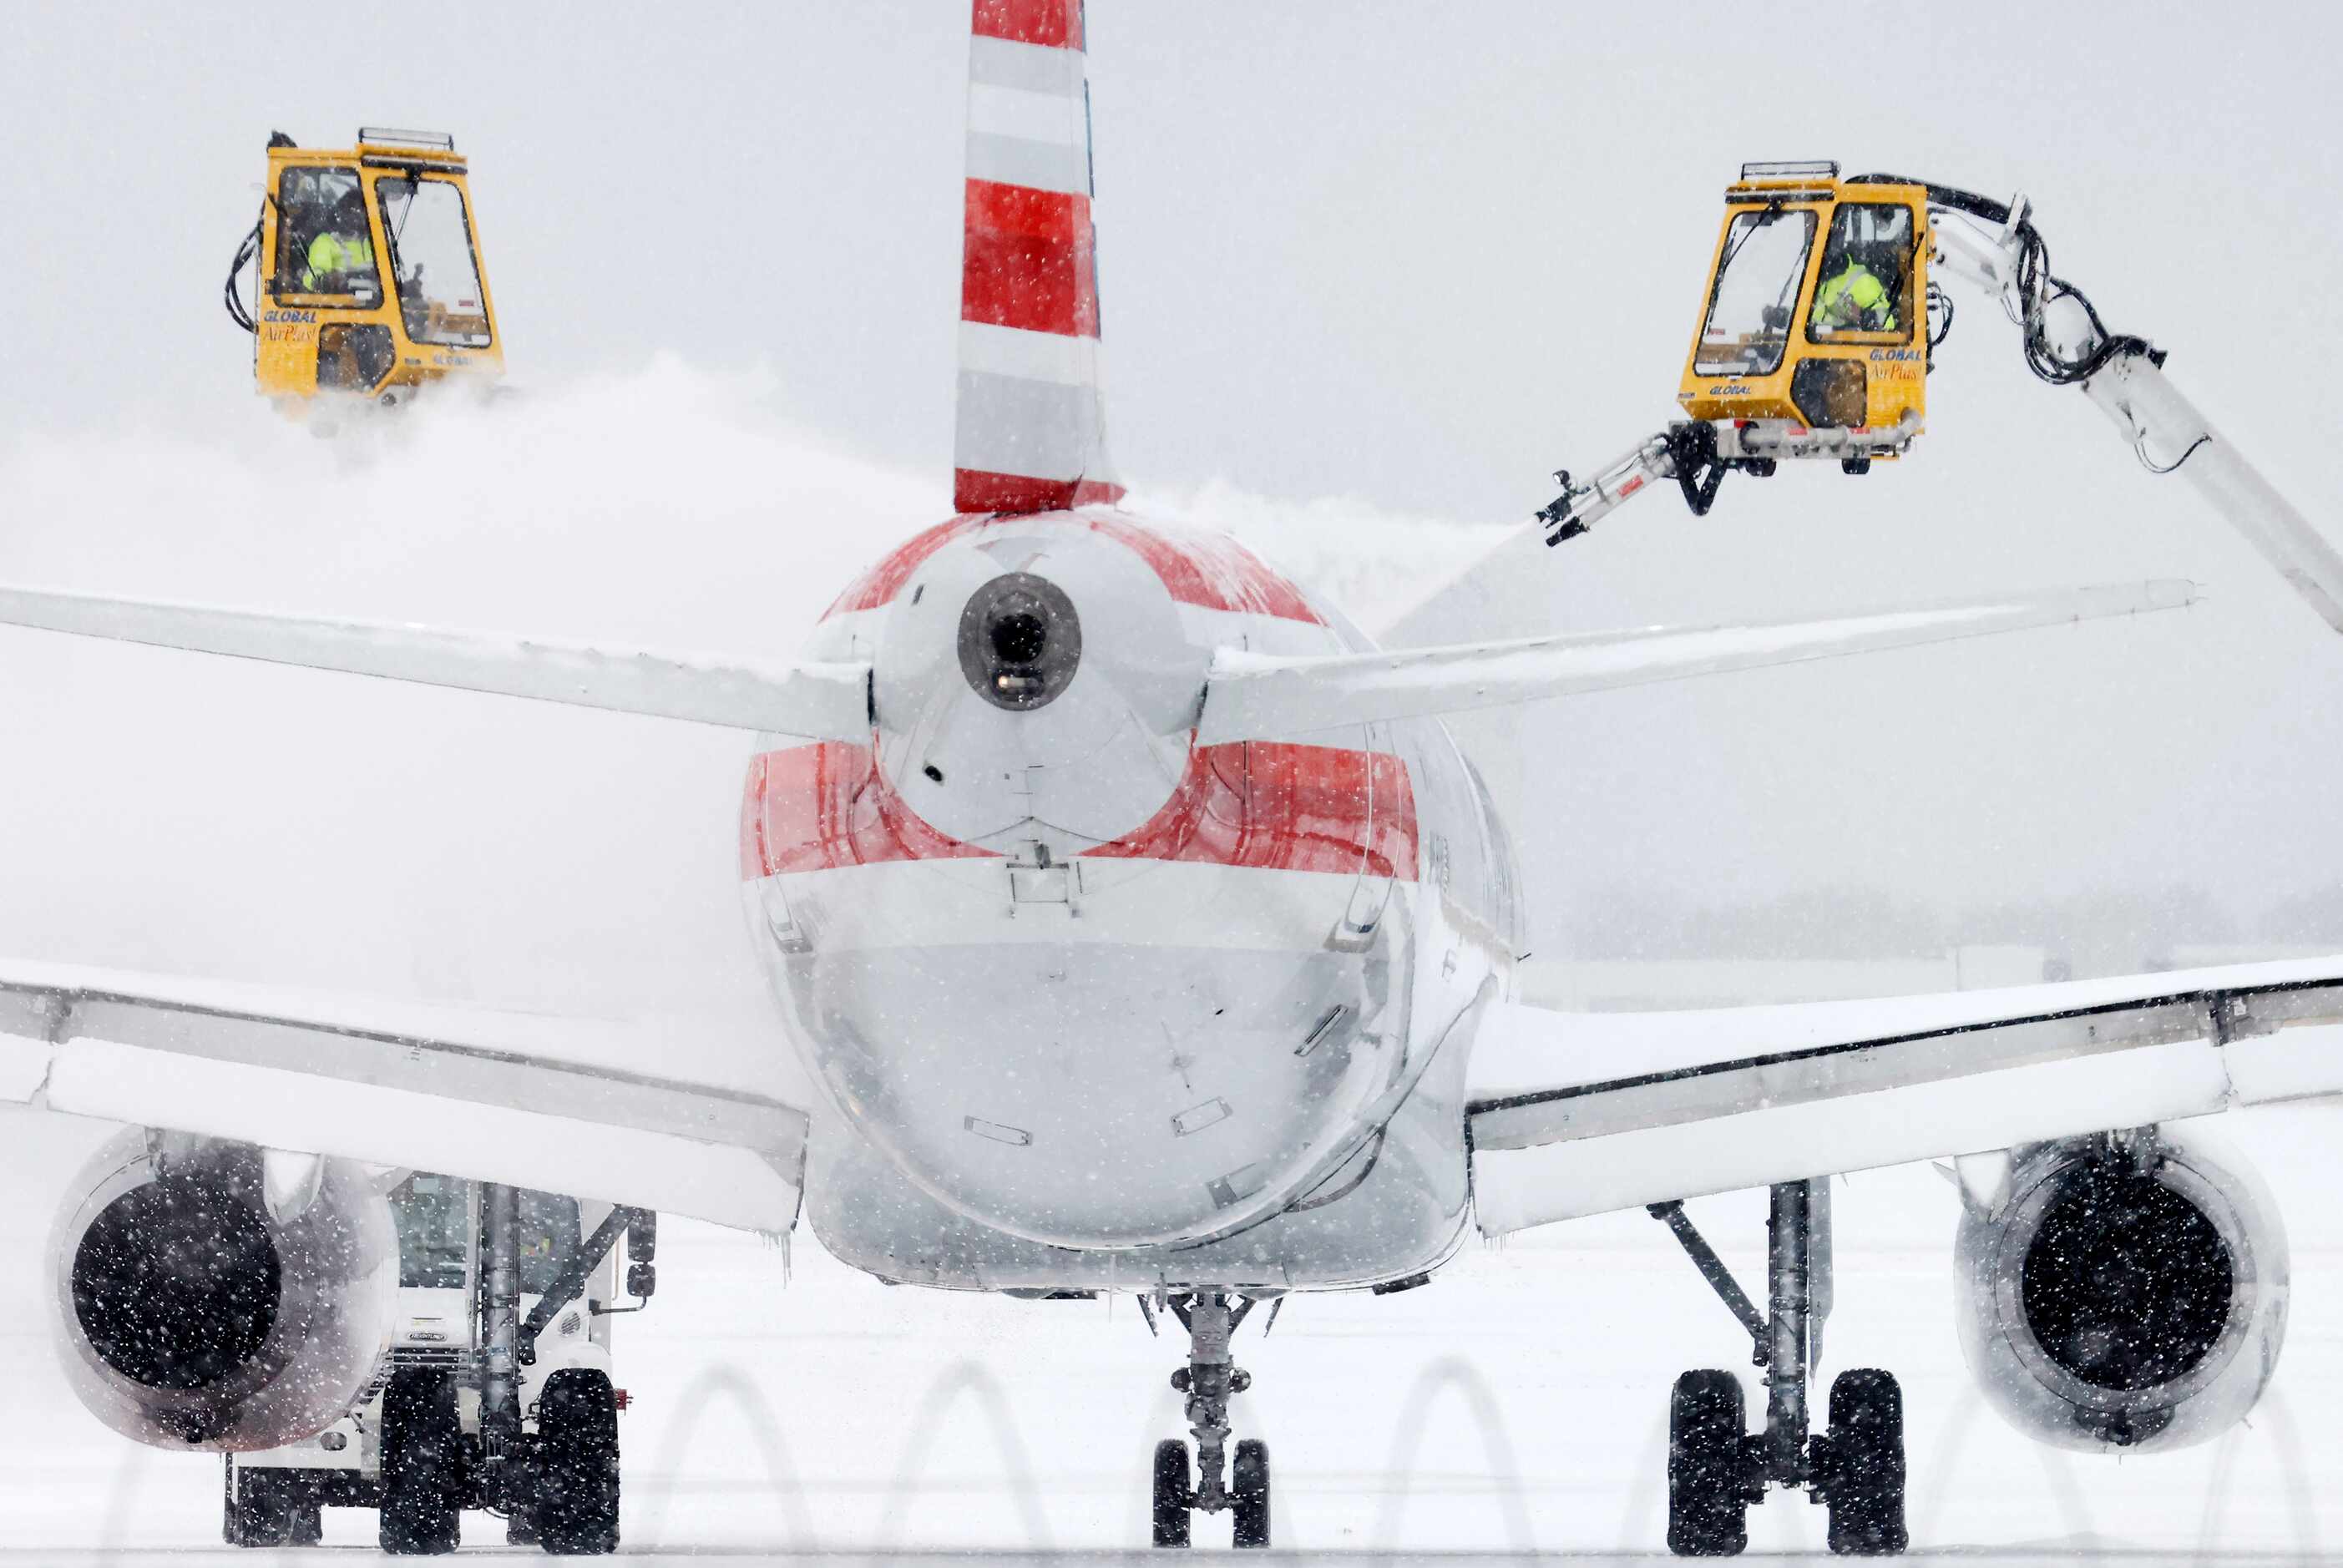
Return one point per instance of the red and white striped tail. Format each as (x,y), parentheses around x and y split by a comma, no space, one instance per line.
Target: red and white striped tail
(1031,433)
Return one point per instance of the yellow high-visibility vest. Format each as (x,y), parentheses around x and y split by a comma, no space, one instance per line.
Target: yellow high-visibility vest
(1844,303)
(330,254)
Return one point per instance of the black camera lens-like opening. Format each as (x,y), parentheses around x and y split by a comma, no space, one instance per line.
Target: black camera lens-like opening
(1019,641)
(1017,636)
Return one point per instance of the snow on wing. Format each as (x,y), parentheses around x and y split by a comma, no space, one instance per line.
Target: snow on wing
(1575,1114)
(281,1072)
(1256,695)
(821,701)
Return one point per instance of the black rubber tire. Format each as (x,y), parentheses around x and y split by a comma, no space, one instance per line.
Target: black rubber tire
(1250,1493)
(1863,1486)
(1175,1491)
(258,1512)
(422,1464)
(308,1518)
(1708,1501)
(575,1469)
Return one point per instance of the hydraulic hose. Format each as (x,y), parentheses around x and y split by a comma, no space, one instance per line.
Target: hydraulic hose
(2038,287)
(245,254)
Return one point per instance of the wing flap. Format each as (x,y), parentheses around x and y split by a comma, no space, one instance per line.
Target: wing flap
(1579,1114)
(821,702)
(1252,696)
(402,1099)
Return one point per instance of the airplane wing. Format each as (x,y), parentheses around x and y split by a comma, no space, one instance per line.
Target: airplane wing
(1574,1114)
(395,1084)
(1259,696)
(820,701)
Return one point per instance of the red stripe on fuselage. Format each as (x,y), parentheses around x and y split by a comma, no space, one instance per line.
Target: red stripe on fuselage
(1053,23)
(1262,805)
(1210,571)
(816,808)
(1028,260)
(1285,808)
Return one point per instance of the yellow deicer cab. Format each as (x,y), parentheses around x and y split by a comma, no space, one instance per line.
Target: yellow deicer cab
(1818,303)
(370,282)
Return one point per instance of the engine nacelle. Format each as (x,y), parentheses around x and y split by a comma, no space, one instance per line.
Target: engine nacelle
(199,1308)
(2126,1290)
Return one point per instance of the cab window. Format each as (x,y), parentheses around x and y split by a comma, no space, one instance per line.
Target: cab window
(439,280)
(1755,293)
(1864,291)
(549,1239)
(323,244)
(433,1216)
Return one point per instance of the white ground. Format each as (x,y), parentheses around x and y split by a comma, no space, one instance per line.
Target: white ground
(1513,1404)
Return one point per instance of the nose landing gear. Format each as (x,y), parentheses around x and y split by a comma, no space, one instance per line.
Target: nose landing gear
(1208,1380)
(1717,1469)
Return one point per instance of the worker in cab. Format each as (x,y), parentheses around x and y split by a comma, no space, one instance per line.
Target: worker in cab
(1853,299)
(342,250)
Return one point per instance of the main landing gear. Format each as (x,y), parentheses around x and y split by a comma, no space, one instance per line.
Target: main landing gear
(1208,1380)
(1717,1469)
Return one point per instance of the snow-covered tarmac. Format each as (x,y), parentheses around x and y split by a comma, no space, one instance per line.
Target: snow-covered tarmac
(784,1406)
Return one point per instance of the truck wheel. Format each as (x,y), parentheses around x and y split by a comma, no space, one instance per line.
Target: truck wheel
(306,1514)
(575,1509)
(422,1455)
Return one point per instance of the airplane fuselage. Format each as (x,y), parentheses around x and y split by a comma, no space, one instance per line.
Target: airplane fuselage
(1094,1006)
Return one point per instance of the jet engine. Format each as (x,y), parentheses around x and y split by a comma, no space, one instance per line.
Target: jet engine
(214,1295)
(2124,1291)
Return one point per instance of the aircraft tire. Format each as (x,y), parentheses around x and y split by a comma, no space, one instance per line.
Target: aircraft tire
(1708,1509)
(576,1511)
(1864,1486)
(1251,1493)
(422,1455)
(1175,1493)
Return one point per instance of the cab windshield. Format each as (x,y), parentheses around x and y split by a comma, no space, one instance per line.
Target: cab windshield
(439,280)
(433,1216)
(1755,294)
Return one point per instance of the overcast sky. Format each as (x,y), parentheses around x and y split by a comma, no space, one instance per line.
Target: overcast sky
(1366,268)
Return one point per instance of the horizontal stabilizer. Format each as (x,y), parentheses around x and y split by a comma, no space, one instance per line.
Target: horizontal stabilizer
(821,702)
(1254,695)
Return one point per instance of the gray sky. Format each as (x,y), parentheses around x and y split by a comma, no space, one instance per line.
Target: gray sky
(1360,262)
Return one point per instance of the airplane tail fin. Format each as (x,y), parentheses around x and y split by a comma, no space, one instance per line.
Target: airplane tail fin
(1031,429)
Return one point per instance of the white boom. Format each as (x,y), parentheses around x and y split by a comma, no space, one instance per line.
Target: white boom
(2162,424)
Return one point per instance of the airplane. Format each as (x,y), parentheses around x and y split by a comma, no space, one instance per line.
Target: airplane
(1144,930)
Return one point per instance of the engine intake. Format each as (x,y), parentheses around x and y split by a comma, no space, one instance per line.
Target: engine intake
(194,1313)
(2128,1291)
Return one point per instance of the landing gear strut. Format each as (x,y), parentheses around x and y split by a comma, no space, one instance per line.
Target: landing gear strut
(1208,1380)
(1717,1469)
